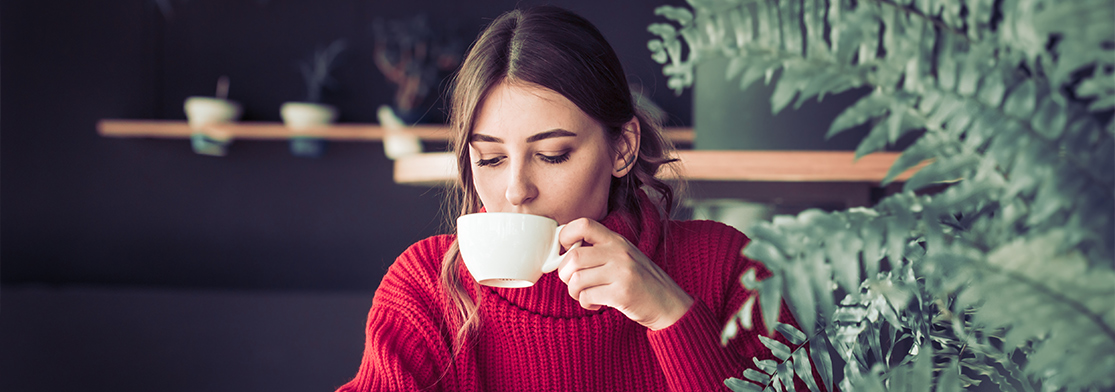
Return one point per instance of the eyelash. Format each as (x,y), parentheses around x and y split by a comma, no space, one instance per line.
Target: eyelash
(545,158)
(488,162)
(554,159)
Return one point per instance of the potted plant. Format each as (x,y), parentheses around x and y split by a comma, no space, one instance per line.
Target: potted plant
(411,54)
(311,113)
(202,111)
(1002,278)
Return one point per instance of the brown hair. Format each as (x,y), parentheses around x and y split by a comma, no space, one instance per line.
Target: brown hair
(556,49)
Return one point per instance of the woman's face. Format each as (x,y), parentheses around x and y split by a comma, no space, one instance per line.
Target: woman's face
(533,151)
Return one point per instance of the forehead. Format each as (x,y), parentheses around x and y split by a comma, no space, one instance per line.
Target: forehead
(518,110)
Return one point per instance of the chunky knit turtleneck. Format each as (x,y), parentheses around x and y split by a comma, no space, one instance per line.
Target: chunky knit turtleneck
(540,339)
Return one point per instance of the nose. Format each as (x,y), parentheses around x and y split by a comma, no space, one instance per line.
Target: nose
(520,186)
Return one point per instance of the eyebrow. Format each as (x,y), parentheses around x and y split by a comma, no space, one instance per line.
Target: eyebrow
(479,137)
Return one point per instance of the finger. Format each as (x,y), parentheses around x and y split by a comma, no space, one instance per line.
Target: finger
(579,259)
(569,264)
(589,278)
(594,298)
(587,230)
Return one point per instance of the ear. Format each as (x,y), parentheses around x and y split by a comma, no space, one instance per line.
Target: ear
(627,151)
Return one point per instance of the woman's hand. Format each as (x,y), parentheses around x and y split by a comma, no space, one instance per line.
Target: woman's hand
(607,270)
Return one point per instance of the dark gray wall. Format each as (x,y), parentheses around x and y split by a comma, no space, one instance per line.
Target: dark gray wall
(83,209)
(731,118)
(137,264)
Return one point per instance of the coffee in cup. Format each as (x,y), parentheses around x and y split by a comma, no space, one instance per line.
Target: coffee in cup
(508,249)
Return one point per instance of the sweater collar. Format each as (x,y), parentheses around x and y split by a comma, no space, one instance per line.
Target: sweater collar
(550,296)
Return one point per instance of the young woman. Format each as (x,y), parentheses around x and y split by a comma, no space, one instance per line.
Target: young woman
(545,124)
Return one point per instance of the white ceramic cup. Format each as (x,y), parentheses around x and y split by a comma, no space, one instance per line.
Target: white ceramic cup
(507,249)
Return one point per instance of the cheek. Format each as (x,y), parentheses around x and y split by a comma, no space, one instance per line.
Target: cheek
(587,189)
(487,188)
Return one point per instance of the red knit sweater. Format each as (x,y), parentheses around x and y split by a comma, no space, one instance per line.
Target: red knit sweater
(540,339)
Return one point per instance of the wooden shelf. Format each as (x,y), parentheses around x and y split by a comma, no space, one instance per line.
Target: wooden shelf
(277,131)
(441,169)
(703,165)
(258,130)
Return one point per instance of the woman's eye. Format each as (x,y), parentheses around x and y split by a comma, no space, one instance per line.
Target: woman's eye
(554,158)
(489,162)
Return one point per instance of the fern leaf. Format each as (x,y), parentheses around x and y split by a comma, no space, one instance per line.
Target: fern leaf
(819,352)
(876,139)
(681,15)
(980,13)
(1048,201)
(834,15)
(780,351)
(768,366)
(894,122)
(970,73)
(792,80)
(731,328)
(760,68)
(1003,382)
(766,252)
(992,91)
(813,13)
(786,375)
(922,370)
(892,28)
(865,109)
(943,170)
(800,296)
(868,23)
(718,33)
(944,112)
(850,33)
(804,370)
(736,65)
(793,335)
(946,66)
(664,30)
(820,278)
(898,379)
(1102,104)
(843,250)
(756,376)
(766,34)
(833,84)
(1050,118)
(792,39)
(770,301)
(738,385)
(1099,84)
(924,55)
(1020,102)
(872,233)
(740,19)
(658,51)
(949,381)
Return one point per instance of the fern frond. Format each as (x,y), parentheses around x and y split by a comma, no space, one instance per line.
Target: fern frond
(1009,100)
(1038,290)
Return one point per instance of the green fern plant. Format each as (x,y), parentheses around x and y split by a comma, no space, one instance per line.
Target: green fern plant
(1007,275)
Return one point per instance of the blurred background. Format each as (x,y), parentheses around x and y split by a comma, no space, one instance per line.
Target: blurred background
(136,264)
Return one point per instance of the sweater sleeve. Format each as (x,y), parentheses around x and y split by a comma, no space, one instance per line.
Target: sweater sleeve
(403,349)
(689,352)
(692,358)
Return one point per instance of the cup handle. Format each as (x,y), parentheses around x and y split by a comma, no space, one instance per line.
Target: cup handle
(555,252)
